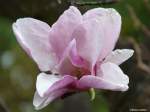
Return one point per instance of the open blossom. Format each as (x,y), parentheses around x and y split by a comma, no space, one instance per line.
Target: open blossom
(77,49)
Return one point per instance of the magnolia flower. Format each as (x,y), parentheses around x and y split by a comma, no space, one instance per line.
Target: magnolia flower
(77,50)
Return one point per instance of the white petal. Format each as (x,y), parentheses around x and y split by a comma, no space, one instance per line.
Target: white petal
(110,22)
(61,31)
(114,77)
(109,76)
(119,56)
(45,81)
(41,102)
(114,74)
(37,100)
(48,83)
(33,35)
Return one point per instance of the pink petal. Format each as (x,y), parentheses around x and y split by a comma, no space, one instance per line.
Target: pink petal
(41,102)
(110,23)
(33,34)
(89,37)
(70,60)
(119,56)
(112,79)
(75,58)
(65,65)
(47,83)
(60,35)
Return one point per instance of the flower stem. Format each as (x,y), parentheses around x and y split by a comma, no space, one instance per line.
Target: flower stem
(92,94)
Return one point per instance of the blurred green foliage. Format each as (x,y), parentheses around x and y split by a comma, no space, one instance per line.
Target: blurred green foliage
(5,33)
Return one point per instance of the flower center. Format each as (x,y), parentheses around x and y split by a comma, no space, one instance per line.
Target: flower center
(79,72)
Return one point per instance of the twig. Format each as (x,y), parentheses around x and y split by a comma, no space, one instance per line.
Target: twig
(147,4)
(3,108)
(73,2)
(136,21)
(138,51)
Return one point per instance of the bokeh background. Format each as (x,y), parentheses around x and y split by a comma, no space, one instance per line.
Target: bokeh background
(18,72)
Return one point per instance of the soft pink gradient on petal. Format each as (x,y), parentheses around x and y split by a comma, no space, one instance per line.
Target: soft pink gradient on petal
(119,56)
(110,22)
(70,60)
(112,79)
(41,102)
(33,36)
(74,57)
(60,35)
(65,65)
(63,83)
(89,38)
(47,83)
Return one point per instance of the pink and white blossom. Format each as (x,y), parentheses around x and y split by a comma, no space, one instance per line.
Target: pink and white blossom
(77,49)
